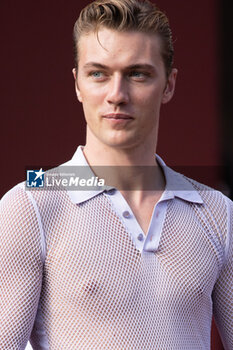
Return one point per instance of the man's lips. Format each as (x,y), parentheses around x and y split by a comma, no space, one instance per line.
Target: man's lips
(118,116)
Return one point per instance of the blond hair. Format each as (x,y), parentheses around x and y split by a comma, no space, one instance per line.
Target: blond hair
(126,15)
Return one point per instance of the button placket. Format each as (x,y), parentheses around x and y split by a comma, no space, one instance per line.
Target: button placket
(154,233)
(128,219)
(140,237)
(126,214)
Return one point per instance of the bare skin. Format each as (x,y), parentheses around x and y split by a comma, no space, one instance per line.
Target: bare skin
(121,82)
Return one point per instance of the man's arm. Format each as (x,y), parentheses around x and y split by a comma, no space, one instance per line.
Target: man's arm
(223,290)
(20,268)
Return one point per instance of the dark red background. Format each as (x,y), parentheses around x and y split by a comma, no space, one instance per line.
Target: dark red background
(41,121)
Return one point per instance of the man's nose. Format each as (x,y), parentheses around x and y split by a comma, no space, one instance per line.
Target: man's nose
(118,91)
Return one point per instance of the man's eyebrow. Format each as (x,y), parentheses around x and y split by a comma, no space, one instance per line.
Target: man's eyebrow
(96,65)
(144,66)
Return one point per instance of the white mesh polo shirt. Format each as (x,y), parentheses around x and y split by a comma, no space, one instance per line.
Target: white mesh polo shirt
(78,273)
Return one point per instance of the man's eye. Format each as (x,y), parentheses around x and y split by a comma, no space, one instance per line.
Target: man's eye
(138,75)
(97,75)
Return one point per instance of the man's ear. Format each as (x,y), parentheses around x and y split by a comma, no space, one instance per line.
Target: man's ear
(170,86)
(78,94)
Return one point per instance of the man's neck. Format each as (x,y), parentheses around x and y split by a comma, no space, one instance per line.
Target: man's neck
(126,169)
(103,155)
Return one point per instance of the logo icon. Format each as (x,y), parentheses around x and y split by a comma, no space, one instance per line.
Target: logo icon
(35,178)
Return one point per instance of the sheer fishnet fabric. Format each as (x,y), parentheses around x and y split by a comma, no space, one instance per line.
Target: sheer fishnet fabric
(20,269)
(100,292)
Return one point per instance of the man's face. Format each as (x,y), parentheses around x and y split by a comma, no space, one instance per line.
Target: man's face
(121,82)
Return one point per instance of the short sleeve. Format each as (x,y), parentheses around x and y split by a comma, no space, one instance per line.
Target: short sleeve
(223,290)
(21,268)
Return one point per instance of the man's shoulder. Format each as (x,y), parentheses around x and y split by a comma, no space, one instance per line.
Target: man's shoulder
(216,205)
(30,197)
(207,193)
(216,214)
(14,197)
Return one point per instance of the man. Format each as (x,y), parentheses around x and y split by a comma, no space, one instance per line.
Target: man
(116,268)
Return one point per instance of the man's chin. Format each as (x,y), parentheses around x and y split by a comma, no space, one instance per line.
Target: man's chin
(122,143)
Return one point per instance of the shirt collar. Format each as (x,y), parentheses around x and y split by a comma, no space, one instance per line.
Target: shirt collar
(80,196)
(176,184)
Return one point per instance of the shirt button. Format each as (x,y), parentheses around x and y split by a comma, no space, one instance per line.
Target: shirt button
(140,237)
(126,214)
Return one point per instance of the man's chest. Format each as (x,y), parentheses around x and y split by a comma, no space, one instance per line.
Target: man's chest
(97,281)
(92,257)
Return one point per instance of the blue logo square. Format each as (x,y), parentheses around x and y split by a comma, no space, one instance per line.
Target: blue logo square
(35,178)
